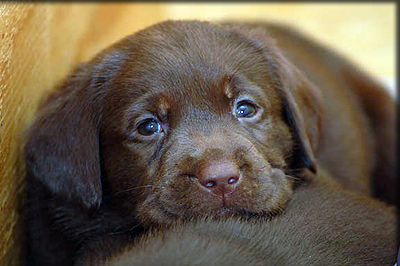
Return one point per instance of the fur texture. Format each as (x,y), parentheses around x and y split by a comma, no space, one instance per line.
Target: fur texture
(322,225)
(185,120)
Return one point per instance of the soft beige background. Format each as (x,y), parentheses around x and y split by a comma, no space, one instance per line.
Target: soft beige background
(41,43)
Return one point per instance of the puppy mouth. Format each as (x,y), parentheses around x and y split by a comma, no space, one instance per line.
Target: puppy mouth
(249,201)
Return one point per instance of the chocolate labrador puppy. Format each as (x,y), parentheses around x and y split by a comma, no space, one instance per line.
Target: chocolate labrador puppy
(322,225)
(188,119)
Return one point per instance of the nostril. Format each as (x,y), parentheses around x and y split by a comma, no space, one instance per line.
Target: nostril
(233,180)
(219,176)
(220,182)
(210,184)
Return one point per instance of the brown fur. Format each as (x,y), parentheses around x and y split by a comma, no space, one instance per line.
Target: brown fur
(90,171)
(322,225)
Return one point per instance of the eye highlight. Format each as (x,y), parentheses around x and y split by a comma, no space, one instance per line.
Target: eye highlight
(245,109)
(149,127)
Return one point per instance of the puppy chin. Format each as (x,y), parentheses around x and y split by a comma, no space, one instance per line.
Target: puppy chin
(154,213)
(230,212)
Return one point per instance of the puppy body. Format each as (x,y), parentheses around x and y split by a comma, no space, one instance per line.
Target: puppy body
(322,225)
(186,120)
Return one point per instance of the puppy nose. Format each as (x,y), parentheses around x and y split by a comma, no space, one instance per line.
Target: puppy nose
(220,177)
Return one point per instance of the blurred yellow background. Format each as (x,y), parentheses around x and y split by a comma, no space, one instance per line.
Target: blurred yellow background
(363,31)
(40,43)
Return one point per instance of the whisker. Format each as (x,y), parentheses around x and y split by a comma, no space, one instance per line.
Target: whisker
(292,177)
(292,170)
(122,230)
(133,188)
(298,180)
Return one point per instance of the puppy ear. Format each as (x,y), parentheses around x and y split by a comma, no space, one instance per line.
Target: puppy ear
(303,111)
(62,150)
(302,101)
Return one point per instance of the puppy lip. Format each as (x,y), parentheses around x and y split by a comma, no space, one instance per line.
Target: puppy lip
(219,206)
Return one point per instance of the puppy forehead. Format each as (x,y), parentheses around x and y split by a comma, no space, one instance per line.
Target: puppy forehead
(170,48)
(191,89)
(201,90)
(186,64)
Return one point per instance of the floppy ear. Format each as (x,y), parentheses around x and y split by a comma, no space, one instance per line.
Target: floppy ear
(62,150)
(302,101)
(303,111)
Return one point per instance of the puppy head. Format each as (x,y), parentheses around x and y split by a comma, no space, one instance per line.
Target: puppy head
(181,120)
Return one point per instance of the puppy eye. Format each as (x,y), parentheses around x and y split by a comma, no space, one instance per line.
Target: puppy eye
(245,110)
(149,127)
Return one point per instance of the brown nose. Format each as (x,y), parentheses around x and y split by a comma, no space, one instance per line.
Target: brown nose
(220,177)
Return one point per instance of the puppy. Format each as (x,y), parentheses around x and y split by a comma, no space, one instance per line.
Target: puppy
(323,225)
(188,119)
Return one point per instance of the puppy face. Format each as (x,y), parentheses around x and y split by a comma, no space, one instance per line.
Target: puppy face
(179,121)
(203,147)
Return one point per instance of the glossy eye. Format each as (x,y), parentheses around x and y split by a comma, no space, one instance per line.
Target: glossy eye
(245,110)
(149,127)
